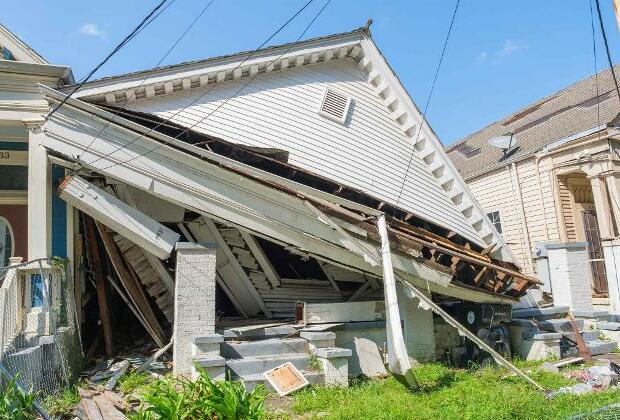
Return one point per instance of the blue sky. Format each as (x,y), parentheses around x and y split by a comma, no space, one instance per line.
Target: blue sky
(502,54)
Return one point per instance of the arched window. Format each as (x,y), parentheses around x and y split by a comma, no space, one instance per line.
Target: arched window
(6,242)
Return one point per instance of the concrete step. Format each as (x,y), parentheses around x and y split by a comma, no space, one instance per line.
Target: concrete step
(260,364)
(251,381)
(258,332)
(608,325)
(588,335)
(601,347)
(271,346)
(559,325)
(549,312)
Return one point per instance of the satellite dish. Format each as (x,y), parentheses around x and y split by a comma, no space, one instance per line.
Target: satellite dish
(503,142)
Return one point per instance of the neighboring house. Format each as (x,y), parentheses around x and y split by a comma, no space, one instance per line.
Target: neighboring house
(558,182)
(21,70)
(249,184)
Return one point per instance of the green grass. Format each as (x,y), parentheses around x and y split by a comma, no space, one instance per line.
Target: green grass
(62,404)
(490,393)
(133,382)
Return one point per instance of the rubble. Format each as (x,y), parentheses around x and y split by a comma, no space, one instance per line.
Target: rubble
(591,379)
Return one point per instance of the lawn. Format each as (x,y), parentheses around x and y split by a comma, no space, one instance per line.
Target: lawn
(448,393)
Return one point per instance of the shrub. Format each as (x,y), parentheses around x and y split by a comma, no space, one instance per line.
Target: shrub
(176,398)
(15,403)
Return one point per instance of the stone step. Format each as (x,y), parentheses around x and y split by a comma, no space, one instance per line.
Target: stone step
(271,346)
(259,332)
(601,347)
(588,335)
(251,381)
(549,312)
(559,325)
(260,364)
(608,325)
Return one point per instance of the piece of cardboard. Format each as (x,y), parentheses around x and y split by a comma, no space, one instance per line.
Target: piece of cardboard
(285,378)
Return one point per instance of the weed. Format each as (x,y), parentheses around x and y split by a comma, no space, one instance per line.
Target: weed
(314,363)
(179,398)
(62,404)
(134,382)
(16,403)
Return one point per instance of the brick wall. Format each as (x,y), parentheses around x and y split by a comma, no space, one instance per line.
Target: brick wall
(570,275)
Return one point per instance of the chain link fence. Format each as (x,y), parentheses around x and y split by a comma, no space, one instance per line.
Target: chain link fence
(40,348)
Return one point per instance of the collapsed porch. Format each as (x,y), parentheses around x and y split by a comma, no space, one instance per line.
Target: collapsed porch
(276,241)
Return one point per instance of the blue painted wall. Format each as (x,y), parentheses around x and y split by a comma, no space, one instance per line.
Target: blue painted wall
(59,215)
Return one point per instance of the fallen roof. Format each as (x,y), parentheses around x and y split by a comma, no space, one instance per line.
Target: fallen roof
(415,249)
(443,198)
(570,111)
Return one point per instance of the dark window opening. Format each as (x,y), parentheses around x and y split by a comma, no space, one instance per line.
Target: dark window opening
(496,220)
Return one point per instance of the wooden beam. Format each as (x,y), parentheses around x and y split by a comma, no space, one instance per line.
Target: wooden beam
(479,276)
(331,278)
(102,297)
(119,216)
(262,259)
(132,286)
(359,291)
(229,268)
(398,360)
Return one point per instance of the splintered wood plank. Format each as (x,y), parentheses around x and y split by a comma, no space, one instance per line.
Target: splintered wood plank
(102,297)
(88,405)
(132,286)
(262,259)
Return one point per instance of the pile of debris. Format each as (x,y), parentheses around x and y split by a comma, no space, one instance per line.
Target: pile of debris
(599,377)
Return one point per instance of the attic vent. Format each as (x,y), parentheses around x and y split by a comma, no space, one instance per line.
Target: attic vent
(335,105)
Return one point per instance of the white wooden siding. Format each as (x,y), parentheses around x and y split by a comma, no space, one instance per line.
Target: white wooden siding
(369,152)
(494,191)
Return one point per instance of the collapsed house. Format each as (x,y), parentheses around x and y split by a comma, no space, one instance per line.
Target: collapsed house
(237,198)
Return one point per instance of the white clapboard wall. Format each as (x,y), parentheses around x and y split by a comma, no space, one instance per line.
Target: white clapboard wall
(280,109)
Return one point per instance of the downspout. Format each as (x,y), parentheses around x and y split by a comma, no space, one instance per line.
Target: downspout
(540,194)
(526,235)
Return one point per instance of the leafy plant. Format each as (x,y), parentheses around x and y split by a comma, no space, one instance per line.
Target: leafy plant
(134,381)
(179,398)
(15,403)
(63,403)
(314,363)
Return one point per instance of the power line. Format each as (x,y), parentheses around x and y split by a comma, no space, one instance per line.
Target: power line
(174,44)
(611,65)
(199,97)
(428,100)
(143,24)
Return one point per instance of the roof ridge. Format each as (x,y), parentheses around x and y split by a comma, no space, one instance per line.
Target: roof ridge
(540,101)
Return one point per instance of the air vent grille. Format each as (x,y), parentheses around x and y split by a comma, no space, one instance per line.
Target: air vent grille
(335,105)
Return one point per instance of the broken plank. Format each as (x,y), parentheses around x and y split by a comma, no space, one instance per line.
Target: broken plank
(102,298)
(261,258)
(132,286)
(320,313)
(121,217)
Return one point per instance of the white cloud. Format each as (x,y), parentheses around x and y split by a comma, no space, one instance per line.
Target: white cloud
(482,55)
(510,47)
(90,29)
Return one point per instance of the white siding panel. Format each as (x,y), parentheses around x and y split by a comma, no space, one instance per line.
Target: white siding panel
(494,192)
(369,152)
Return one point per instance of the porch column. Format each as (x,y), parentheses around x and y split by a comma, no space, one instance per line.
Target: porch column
(613,187)
(611,252)
(194,303)
(604,215)
(39,193)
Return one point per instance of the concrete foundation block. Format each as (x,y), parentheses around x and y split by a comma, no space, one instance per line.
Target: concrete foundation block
(534,345)
(335,364)
(570,275)
(213,365)
(319,339)
(194,302)
(207,345)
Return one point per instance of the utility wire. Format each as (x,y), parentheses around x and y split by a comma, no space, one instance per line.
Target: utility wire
(157,65)
(143,24)
(197,98)
(428,100)
(611,65)
(598,99)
